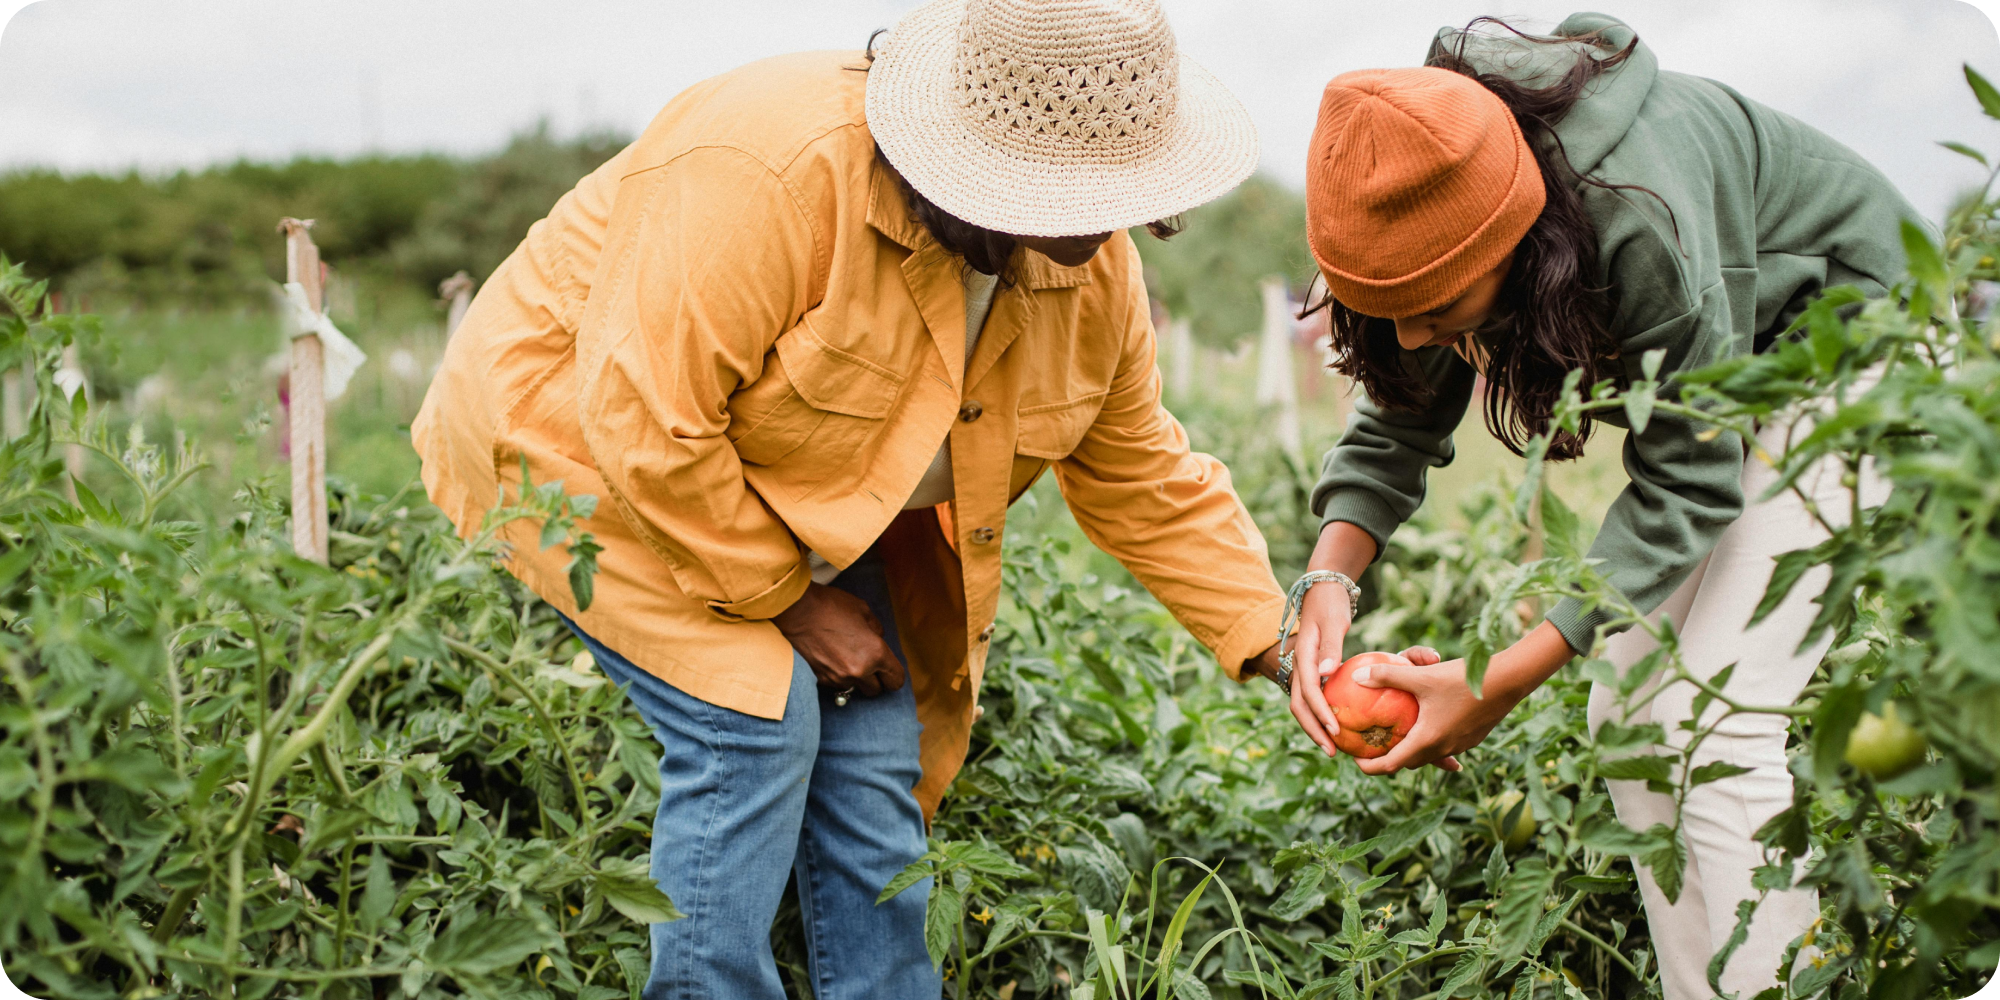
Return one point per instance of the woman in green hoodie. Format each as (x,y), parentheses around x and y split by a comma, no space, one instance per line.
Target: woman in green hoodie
(1525,207)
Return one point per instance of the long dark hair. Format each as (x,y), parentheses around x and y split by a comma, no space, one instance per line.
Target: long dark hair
(1551,318)
(983,250)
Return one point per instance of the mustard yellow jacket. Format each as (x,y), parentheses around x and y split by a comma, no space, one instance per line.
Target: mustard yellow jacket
(734,334)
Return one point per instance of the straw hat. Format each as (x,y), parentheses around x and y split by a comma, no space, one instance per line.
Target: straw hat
(1054,117)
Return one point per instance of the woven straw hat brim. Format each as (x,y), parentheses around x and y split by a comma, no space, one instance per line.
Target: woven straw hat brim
(913,112)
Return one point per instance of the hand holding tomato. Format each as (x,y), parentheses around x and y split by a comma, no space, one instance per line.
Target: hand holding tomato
(1448,719)
(1324,618)
(1371,720)
(1368,722)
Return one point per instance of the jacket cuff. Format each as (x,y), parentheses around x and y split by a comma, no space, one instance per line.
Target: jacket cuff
(1578,628)
(1364,510)
(769,604)
(1252,634)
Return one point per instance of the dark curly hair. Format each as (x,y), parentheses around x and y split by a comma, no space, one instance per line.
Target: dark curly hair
(1551,318)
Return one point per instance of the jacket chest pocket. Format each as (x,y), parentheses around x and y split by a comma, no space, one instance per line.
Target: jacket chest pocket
(815,408)
(1052,430)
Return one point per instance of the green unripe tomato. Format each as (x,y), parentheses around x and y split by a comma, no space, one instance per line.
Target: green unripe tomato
(1495,811)
(1883,746)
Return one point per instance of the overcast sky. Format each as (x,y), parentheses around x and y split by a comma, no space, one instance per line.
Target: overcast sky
(96,84)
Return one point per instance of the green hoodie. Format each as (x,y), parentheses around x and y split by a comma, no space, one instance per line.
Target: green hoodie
(1765,213)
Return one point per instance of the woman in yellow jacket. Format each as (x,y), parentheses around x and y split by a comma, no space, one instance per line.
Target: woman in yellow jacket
(807,338)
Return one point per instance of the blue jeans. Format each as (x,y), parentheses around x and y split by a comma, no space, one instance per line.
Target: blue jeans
(823,794)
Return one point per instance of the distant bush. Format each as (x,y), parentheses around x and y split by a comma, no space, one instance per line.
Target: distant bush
(208,235)
(205,237)
(1209,274)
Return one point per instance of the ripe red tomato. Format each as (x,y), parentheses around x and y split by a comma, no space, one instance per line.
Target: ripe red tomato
(1372,720)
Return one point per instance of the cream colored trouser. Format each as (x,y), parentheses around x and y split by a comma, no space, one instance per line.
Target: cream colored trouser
(1711,612)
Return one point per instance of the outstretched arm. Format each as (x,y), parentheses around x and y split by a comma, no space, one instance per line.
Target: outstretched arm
(1449,719)
(1167,513)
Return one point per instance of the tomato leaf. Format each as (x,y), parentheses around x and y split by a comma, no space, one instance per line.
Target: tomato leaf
(1989,98)
(1645,767)
(1520,906)
(1714,771)
(483,945)
(942,916)
(1745,908)
(637,897)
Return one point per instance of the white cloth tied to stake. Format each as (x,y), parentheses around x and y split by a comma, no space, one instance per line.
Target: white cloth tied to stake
(343,357)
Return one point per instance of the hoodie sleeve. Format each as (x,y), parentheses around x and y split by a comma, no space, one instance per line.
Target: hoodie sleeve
(1683,491)
(1375,476)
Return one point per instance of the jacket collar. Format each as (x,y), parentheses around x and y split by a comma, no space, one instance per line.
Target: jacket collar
(890,215)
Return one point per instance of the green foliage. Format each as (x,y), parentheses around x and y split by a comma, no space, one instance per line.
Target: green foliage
(208,235)
(1906,858)
(1208,275)
(229,771)
(1175,828)
(487,212)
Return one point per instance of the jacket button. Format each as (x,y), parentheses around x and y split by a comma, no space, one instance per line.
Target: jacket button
(982,535)
(986,633)
(970,411)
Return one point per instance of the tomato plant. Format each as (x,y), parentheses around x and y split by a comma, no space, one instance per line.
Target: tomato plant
(226,771)
(229,771)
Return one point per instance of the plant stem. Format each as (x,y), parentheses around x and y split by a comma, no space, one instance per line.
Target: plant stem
(506,673)
(45,764)
(312,731)
(232,927)
(331,762)
(964,968)
(346,889)
(176,911)
(1368,989)
(177,703)
(1024,935)
(290,975)
(1799,711)
(1577,929)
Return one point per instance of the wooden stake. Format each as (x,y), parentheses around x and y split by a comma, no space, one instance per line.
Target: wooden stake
(1276,385)
(308,400)
(73,452)
(456,290)
(13,404)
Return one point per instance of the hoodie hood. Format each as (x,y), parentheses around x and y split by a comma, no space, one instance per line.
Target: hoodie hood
(1595,125)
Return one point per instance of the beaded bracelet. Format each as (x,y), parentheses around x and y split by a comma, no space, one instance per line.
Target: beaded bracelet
(1295,602)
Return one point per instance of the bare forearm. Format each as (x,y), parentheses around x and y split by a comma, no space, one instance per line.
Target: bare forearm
(1343,548)
(1515,672)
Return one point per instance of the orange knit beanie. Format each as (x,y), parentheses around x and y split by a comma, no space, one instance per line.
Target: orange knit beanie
(1417,182)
